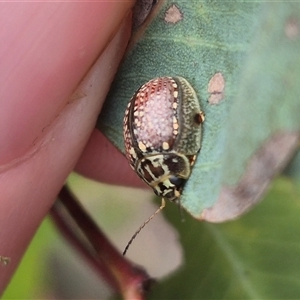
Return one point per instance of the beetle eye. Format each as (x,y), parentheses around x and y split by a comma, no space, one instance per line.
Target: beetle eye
(178,182)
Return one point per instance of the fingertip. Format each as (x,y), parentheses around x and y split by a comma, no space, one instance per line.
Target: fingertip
(103,162)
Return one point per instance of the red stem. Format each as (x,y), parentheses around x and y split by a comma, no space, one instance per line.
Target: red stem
(124,277)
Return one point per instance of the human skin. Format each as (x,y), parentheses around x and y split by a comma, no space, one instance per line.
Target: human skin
(46,128)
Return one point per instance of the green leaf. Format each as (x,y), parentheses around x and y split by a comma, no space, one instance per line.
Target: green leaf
(249,47)
(255,257)
(268,97)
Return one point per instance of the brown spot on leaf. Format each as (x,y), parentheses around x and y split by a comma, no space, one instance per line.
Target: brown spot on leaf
(173,15)
(270,159)
(292,29)
(216,88)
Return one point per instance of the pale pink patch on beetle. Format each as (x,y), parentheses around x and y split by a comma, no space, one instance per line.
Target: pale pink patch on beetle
(154,104)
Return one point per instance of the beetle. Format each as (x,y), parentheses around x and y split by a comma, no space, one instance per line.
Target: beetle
(162,136)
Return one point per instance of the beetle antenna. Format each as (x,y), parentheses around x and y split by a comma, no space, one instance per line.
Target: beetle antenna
(162,205)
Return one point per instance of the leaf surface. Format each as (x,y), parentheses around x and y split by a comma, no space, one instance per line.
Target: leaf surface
(243,61)
(255,257)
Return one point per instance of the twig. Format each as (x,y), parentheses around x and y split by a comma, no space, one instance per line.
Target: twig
(86,237)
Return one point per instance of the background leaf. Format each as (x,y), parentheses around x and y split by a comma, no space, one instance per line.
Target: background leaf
(255,257)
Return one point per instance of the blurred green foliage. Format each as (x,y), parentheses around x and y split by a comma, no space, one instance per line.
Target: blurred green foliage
(254,257)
